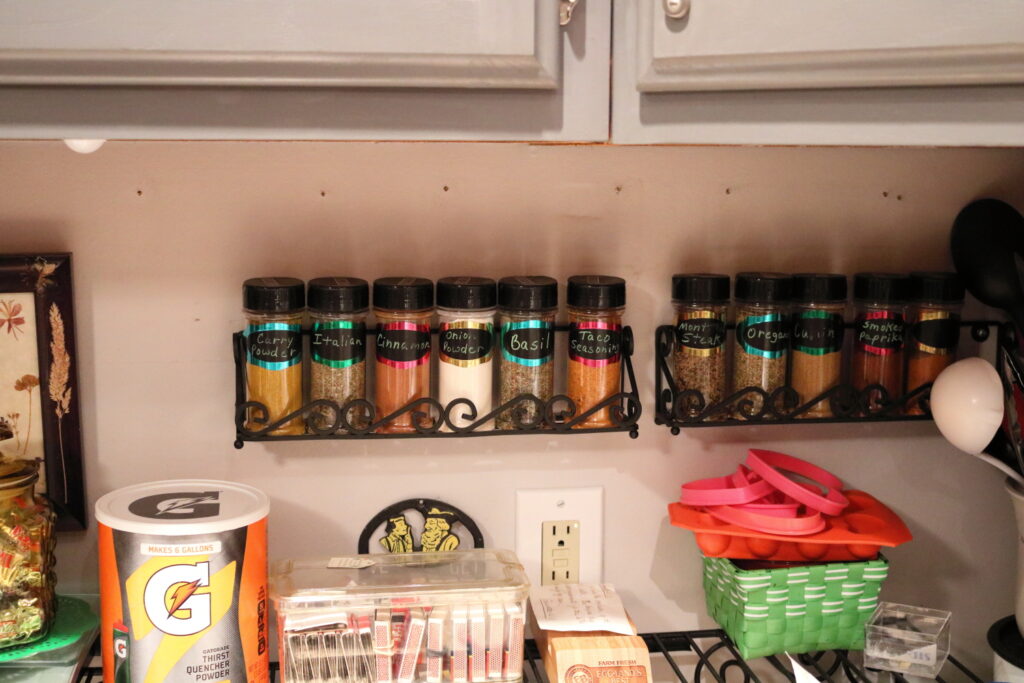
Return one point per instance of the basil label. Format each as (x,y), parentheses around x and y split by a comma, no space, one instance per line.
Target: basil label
(528,342)
(817,332)
(465,343)
(338,343)
(273,346)
(938,335)
(700,334)
(403,345)
(595,343)
(880,333)
(764,335)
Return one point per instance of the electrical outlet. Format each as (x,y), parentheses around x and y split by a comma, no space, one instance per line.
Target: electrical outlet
(560,552)
(585,506)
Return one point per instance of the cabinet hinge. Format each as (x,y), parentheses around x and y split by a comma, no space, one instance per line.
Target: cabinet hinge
(566,10)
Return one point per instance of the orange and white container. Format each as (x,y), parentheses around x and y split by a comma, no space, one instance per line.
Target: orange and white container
(183,583)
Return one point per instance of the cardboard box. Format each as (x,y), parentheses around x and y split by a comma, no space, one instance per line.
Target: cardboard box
(592,656)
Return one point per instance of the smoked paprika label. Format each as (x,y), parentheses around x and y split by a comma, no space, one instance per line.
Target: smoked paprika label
(936,332)
(880,333)
(595,343)
(338,343)
(403,344)
(764,335)
(701,333)
(528,342)
(273,346)
(817,332)
(465,343)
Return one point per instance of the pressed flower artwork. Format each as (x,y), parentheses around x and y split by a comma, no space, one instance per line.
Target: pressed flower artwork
(20,401)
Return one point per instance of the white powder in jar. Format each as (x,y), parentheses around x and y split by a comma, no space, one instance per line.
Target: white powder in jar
(465,350)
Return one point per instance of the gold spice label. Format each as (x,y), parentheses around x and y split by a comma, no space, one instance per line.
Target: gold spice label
(701,333)
(935,332)
(465,343)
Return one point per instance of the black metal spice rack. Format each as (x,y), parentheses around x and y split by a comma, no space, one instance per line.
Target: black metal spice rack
(752,405)
(357,419)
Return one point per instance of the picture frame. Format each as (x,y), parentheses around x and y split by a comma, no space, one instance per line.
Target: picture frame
(40,400)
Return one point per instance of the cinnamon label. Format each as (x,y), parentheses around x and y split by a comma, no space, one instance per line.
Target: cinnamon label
(403,344)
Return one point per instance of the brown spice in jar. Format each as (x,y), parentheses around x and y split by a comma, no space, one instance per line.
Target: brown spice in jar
(817,338)
(404,308)
(595,363)
(929,354)
(699,364)
(878,351)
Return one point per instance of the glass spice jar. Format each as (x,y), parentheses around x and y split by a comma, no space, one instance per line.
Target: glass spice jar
(933,325)
(879,332)
(337,345)
(701,301)
(762,333)
(27,581)
(595,307)
(526,317)
(819,307)
(273,349)
(404,308)
(465,311)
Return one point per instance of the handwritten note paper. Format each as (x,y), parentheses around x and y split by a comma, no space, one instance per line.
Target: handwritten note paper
(580,607)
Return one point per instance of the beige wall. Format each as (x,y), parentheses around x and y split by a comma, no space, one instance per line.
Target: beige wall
(164,233)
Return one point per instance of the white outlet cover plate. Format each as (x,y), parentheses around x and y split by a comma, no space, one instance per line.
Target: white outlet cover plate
(536,506)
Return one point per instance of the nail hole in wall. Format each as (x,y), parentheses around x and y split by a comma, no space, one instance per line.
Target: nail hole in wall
(323,193)
(899,198)
(885,194)
(618,189)
(445,188)
(138,193)
(728,190)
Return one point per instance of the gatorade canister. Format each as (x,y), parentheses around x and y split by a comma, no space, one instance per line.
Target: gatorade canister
(183,583)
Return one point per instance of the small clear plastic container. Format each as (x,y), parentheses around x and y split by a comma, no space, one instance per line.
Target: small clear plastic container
(906,639)
(402,618)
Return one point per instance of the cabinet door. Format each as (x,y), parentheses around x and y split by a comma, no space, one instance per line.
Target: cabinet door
(415,69)
(819,71)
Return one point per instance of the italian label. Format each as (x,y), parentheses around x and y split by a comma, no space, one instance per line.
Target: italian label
(465,343)
(818,332)
(403,344)
(701,333)
(528,342)
(880,333)
(338,343)
(936,332)
(764,335)
(595,343)
(273,346)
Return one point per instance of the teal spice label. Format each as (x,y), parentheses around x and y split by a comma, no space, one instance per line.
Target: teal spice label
(273,346)
(528,342)
(338,343)
(764,335)
(818,332)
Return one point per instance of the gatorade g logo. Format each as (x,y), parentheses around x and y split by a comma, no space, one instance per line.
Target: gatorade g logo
(120,647)
(172,601)
(186,505)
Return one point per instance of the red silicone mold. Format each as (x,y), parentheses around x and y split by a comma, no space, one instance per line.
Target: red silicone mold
(862,529)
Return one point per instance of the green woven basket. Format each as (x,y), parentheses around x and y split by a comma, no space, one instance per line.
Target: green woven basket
(793,609)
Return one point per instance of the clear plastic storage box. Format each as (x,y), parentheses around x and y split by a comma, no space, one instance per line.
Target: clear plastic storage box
(907,639)
(453,617)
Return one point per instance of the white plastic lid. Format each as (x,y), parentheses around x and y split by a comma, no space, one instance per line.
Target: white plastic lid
(182,507)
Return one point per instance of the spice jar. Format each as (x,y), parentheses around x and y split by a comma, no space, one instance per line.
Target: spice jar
(595,306)
(701,301)
(933,328)
(879,330)
(465,311)
(404,307)
(27,581)
(819,306)
(526,315)
(762,332)
(273,349)
(337,343)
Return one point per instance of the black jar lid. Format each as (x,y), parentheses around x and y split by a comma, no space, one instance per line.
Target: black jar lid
(946,288)
(811,288)
(469,293)
(596,291)
(273,294)
(338,294)
(700,288)
(403,293)
(880,287)
(766,287)
(528,292)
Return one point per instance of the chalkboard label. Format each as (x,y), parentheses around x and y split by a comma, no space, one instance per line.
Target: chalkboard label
(338,343)
(937,333)
(528,342)
(764,335)
(817,332)
(701,335)
(403,345)
(465,343)
(273,346)
(880,333)
(595,343)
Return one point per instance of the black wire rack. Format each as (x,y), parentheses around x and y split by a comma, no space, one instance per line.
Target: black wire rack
(753,405)
(357,419)
(717,661)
